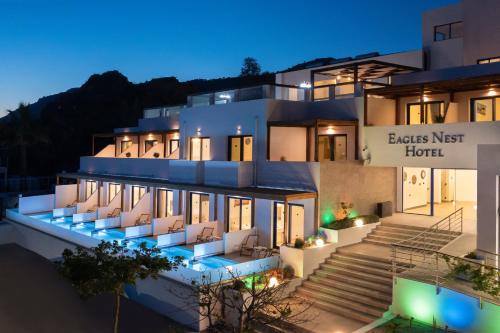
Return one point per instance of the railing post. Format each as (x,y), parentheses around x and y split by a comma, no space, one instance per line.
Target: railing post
(437,270)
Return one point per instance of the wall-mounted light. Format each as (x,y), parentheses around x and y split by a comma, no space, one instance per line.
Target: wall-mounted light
(330,130)
(225,96)
(426,99)
(305,84)
(273,282)
(339,77)
(198,131)
(491,92)
(125,138)
(238,129)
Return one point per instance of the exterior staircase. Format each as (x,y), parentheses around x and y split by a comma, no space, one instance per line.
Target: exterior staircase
(357,284)
(387,234)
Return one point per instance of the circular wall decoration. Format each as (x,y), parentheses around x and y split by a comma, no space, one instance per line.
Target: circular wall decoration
(405,176)
(422,174)
(248,141)
(413,179)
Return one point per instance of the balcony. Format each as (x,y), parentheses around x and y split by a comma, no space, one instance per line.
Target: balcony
(211,173)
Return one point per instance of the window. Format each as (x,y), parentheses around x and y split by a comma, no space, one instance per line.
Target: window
(332,147)
(240,148)
(448,31)
(433,113)
(165,203)
(174,145)
(148,144)
(239,214)
(488,60)
(113,190)
(125,144)
(137,194)
(200,208)
(485,109)
(200,149)
(90,188)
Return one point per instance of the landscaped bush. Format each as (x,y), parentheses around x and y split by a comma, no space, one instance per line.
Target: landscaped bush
(288,272)
(349,222)
(299,243)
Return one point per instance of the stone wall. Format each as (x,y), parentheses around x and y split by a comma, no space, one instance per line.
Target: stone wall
(351,182)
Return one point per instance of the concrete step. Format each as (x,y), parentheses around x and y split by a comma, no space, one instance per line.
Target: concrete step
(361,261)
(348,252)
(357,274)
(340,310)
(378,294)
(387,271)
(348,295)
(413,229)
(389,244)
(401,236)
(339,301)
(416,242)
(344,276)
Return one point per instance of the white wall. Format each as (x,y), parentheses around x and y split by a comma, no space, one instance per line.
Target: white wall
(65,195)
(466,185)
(288,143)
(460,155)
(142,207)
(488,198)
(416,195)
(36,204)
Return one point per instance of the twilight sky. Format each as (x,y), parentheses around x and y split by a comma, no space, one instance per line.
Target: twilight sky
(48,46)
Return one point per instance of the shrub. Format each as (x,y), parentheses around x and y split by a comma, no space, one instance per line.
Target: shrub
(299,243)
(288,272)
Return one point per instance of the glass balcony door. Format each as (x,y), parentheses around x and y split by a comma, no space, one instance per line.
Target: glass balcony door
(239,214)
(240,148)
(165,203)
(433,112)
(200,208)
(295,223)
(200,149)
(332,147)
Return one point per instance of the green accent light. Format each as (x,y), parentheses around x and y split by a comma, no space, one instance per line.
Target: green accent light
(353,214)
(328,217)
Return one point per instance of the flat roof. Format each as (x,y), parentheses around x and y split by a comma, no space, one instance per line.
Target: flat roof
(252,191)
(366,70)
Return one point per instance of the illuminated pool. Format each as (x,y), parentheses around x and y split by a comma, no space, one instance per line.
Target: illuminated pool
(110,235)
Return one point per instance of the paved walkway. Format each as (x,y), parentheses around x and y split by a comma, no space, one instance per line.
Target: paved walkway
(35,298)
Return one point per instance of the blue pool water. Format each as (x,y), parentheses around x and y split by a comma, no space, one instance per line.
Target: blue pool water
(119,235)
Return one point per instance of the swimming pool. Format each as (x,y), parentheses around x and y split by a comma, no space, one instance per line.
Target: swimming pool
(110,235)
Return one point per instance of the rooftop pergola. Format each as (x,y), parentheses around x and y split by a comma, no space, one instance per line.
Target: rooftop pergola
(364,70)
(438,87)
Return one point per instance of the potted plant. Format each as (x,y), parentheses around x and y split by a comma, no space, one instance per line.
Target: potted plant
(473,256)
(299,243)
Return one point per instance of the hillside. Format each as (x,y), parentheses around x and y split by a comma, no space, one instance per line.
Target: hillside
(58,128)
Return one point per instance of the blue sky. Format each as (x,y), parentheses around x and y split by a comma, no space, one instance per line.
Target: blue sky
(50,46)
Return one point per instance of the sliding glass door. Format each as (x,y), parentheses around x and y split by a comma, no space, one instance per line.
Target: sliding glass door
(165,203)
(200,208)
(137,194)
(200,149)
(113,190)
(240,148)
(295,225)
(332,147)
(90,188)
(239,214)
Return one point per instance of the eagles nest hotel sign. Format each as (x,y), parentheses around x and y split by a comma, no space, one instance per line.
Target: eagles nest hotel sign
(415,145)
(446,146)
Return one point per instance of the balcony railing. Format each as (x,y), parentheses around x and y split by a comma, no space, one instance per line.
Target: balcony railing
(165,112)
(343,90)
(272,91)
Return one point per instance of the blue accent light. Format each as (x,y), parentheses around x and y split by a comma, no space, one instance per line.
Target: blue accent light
(458,310)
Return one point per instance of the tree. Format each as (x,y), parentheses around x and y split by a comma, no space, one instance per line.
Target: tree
(109,267)
(245,303)
(250,67)
(21,131)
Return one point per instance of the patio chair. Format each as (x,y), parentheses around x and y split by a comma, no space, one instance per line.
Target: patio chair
(115,213)
(142,219)
(92,209)
(178,226)
(71,205)
(205,235)
(248,245)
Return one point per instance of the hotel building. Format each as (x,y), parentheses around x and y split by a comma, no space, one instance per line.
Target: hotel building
(413,137)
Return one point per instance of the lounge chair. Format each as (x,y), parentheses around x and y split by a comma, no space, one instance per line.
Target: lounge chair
(178,226)
(248,245)
(92,210)
(115,213)
(205,235)
(142,220)
(73,204)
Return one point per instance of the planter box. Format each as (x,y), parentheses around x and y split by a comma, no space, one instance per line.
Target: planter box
(348,236)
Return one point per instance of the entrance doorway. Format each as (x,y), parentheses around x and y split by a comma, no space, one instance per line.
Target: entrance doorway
(439,192)
(295,225)
(332,147)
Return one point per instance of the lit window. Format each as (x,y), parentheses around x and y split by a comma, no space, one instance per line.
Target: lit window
(488,60)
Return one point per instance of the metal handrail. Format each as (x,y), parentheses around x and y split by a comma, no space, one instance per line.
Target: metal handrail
(425,236)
